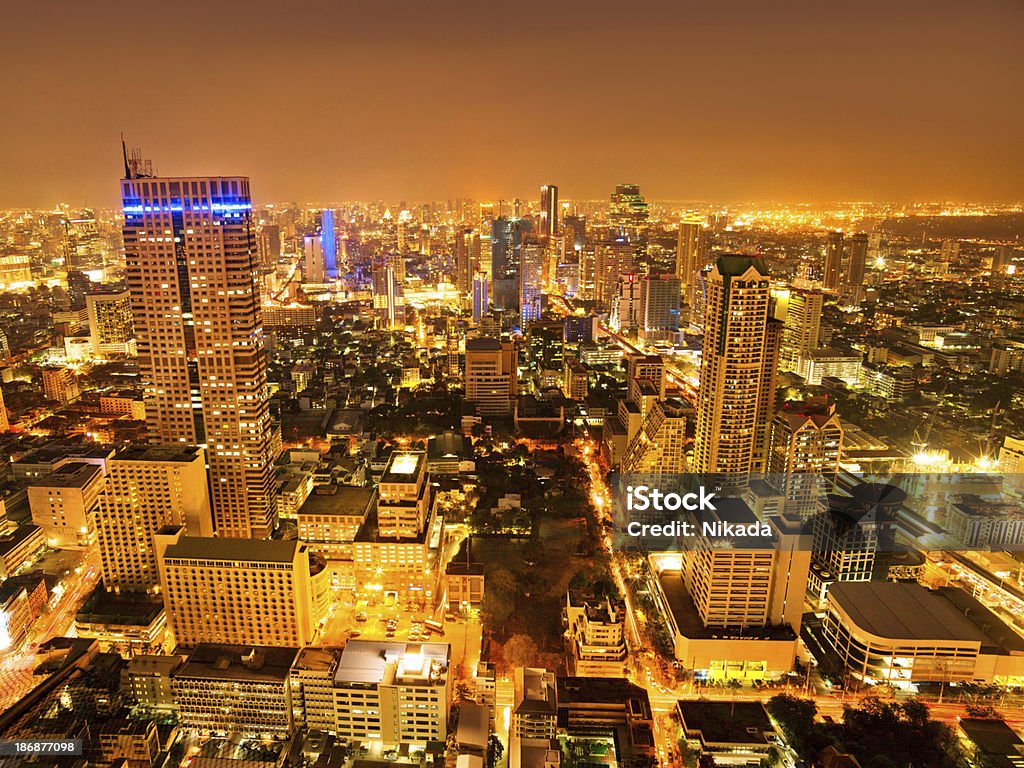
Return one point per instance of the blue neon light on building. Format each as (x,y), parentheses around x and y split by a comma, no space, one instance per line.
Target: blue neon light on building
(328,243)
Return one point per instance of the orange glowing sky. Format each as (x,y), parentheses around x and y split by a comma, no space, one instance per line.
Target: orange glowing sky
(799,100)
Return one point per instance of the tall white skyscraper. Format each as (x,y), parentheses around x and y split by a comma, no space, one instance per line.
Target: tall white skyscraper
(193,273)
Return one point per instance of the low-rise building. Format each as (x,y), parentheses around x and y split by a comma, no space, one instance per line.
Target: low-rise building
(898,633)
(465,580)
(64,502)
(596,638)
(235,688)
(134,741)
(146,680)
(733,733)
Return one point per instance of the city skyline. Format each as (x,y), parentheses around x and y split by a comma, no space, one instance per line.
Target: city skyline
(691,101)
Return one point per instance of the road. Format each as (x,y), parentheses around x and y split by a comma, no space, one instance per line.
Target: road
(16,678)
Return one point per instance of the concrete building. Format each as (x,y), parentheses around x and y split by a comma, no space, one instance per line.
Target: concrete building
(535,711)
(223,688)
(596,637)
(60,384)
(330,519)
(658,448)
(146,679)
(891,632)
(403,496)
(148,488)
(800,312)
(193,271)
(136,742)
(738,371)
(111,327)
(64,503)
(19,547)
(608,707)
(464,579)
(735,612)
(731,733)
(491,376)
(397,693)
(238,591)
(976,523)
(804,446)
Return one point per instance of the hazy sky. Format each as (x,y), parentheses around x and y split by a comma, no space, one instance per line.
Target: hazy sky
(338,100)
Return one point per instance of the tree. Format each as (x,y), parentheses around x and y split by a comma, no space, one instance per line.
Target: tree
(494,750)
(502,580)
(795,717)
(497,606)
(520,651)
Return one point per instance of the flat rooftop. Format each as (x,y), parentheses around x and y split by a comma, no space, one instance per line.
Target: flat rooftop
(215,661)
(346,501)
(404,467)
(902,611)
(726,722)
(249,550)
(687,618)
(74,474)
(185,455)
(373,662)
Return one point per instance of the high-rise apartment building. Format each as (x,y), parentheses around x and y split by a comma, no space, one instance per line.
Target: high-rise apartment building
(549,211)
(194,276)
(803,454)
(481,299)
(506,257)
(689,259)
(738,370)
(627,305)
(855,267)
(800,311)
(148,488)
(491,375)
(832,274)
(240,591)
(660,304)
(313,266)
(658,448)
(111,328)
(611,261)
(531,282)
(467,258)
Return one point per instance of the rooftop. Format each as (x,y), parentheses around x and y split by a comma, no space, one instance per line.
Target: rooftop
(346,501)
(726,722)
(902,611)
(248,550)
(74,474)
(316,659)
(239,662)
(404,467)
(159,453)
(373,662)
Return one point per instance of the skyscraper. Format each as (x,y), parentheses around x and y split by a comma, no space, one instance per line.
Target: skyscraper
(854,282)
(803,454)
(480,297)
(688,250)
(506,255)
(627,305)
(531,282)
(627,209)
(193,273)
(491,376)
(832,275)
(467,258)
(549,211)
(313,266)
(660,304)
(738,369)
(800,312)
(329,243)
